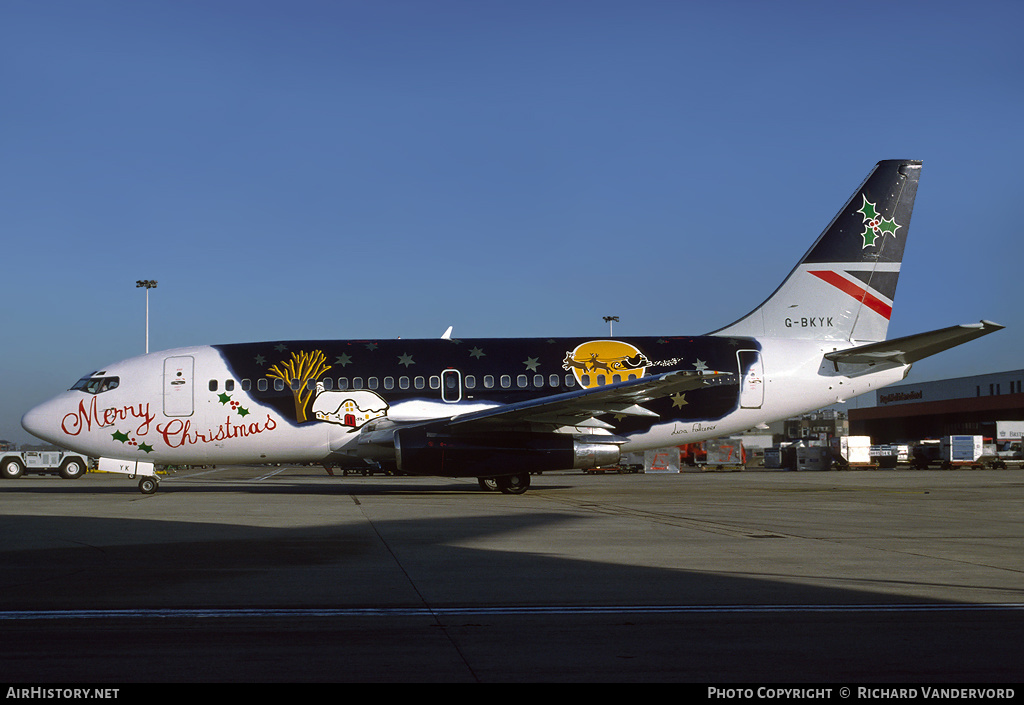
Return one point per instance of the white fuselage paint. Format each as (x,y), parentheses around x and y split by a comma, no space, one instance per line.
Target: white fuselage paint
(130,423)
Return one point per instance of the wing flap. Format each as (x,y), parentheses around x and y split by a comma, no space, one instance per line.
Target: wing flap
(910,349)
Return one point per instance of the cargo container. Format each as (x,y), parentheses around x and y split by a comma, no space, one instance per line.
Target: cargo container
(661,460)
(959,451)
(724,452)
(814,458)
(852,451)
(885,456)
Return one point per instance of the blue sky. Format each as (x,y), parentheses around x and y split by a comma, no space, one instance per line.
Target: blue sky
(379,169)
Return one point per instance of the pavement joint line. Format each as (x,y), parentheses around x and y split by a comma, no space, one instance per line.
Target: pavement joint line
(434,612)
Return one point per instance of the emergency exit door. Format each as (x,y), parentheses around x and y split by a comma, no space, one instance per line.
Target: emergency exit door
(451,386)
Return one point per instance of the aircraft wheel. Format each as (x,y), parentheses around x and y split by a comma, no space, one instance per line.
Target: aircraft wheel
(490,484)
(514,484)
(148,485)
(72,469)
(12,468)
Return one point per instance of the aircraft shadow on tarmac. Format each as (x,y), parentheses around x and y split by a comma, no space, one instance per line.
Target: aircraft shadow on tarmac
(92,563)
(138,563)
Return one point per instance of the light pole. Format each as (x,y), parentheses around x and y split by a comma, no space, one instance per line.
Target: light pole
(609,320)
(146,284)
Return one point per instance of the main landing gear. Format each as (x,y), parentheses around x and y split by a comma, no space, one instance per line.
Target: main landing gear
(506,484)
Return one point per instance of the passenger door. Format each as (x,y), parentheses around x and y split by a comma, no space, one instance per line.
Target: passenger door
(178,386)
(751,379)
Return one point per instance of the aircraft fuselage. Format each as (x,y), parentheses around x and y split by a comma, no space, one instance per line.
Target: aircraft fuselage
(307,401)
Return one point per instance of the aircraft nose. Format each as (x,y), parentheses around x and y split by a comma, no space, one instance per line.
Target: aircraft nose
(39,422)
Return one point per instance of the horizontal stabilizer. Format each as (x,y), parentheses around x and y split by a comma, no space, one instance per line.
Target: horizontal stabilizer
(904,351)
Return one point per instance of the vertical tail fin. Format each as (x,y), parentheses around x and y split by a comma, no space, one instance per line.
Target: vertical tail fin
(843,288)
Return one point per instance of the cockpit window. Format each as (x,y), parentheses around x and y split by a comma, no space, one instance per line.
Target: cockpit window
(96,385)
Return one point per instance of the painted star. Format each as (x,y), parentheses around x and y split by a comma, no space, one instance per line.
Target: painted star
(343,360)
(679,400)
(280,347)
(371,346)
(531,364)
(700,365)
(477,353)
(405,359)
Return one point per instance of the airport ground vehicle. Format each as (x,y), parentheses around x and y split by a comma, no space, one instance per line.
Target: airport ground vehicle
(70,466)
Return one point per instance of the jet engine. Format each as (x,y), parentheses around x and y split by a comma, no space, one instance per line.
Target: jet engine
(426,451)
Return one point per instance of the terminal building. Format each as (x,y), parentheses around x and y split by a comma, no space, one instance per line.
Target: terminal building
(927,410)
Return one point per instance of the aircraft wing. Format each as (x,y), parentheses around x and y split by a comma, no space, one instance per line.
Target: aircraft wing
(581,407)
(912,348)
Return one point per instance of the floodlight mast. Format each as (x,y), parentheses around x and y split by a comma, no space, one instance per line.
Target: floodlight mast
(609,320)
(146,284)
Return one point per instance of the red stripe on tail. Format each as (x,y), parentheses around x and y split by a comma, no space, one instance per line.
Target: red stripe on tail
(857,292)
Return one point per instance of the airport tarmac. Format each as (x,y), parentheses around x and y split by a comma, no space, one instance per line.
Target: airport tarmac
(288,575)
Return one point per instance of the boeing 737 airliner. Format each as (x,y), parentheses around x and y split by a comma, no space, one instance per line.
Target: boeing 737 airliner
(498,409)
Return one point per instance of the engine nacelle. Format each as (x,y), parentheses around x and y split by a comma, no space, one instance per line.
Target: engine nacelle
(422,451)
